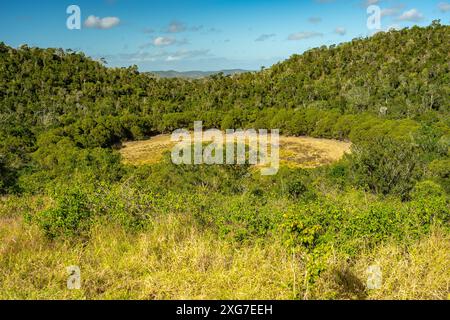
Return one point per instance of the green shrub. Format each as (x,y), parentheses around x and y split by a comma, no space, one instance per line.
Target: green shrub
(69,218)
(426,189)
(439,170)
(338,174)
(8,178)
(242,218)
(385,166)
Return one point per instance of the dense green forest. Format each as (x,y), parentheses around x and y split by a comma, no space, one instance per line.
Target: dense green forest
(63,116)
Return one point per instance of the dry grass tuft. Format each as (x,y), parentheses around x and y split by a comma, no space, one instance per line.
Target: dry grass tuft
(417,272)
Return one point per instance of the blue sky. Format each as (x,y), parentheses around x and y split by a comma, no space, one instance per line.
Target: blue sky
(203,34)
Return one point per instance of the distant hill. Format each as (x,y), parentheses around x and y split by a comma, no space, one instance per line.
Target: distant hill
(195,74)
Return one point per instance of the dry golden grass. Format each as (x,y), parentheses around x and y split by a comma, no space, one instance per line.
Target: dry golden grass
(171,261)
(146,152)
(420,271)
(174,260)
(306,152)
(302,152)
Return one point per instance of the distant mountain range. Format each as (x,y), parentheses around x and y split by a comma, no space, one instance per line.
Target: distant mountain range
(195,74)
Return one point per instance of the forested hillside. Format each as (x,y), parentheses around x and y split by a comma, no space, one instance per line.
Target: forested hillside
(62,180)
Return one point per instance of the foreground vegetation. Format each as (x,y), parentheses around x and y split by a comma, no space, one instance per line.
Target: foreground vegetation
(189,232)
(178,256)
(165,231)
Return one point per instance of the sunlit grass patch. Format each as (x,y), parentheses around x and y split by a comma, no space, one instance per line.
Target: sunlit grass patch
(304,152)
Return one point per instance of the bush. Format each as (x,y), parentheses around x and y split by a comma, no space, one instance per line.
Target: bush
(297,189)
(242,219)
(385,166)
(70,218)
(427,189)
(8,178)
(439,170)
(338,174)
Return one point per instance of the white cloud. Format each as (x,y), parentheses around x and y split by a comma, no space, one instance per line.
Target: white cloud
(214,30)
(265,37)
(314,20)
(163,41)
(368,3)
(444,6)
(101,23)
(186,54)
(197,28)
(304,35)
(389,12)
(173,58)
(176,27)
(411,15)
(149,30)
(340,31)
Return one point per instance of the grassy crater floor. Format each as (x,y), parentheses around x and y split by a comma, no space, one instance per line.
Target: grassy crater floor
(303,152)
